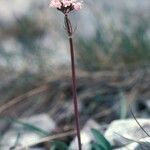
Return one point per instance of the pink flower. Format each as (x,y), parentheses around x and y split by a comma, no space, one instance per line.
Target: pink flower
(55,4)
(66,6)
(77,6)
(66,2)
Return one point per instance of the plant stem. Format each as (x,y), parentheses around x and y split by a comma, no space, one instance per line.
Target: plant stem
(74,86)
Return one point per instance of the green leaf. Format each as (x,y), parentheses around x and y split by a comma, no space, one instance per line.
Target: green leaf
(58,145)
(95,146)
(17,140)
(26,125)
(123,106)
(101,140)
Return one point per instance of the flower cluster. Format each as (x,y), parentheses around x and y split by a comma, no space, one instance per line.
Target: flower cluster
(66,6)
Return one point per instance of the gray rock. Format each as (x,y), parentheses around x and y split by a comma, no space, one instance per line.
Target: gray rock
(42,121)
(86,136)
(122,132)
(143,144)
(26,135)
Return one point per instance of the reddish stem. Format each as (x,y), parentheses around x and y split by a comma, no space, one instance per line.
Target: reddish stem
(74,86)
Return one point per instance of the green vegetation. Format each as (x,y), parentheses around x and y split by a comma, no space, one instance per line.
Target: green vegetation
(112,47)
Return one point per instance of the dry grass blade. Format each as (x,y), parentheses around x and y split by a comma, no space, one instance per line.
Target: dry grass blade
(49,138)
(23,97)
(139,124)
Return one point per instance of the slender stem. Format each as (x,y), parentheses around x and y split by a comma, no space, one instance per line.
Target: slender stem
(74,86)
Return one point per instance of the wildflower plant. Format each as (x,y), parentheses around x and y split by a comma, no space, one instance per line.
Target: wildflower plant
(66,6)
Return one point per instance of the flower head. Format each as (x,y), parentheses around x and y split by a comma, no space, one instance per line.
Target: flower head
(66,6)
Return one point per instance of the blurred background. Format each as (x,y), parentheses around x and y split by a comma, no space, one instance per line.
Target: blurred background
(112,45)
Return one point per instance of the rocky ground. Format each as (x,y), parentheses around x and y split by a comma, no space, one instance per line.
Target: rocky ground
(35,86)
(103,97)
